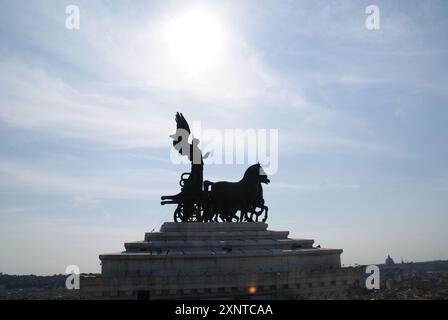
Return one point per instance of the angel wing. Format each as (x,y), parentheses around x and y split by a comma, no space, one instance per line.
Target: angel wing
(180,138)
(182,123)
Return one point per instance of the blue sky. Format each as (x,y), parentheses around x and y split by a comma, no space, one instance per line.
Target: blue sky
(85,117)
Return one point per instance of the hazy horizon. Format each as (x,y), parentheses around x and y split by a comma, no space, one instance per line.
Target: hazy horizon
(85,118)
(99,270)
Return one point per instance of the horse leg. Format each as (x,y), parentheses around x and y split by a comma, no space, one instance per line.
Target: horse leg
(243,215)
(231,214)
(254,212)
(266,213)
(235,215)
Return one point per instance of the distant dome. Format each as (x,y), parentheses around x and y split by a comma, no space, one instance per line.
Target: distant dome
(389,261)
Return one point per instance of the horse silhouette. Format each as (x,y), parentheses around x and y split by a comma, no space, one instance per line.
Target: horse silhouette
(246,195)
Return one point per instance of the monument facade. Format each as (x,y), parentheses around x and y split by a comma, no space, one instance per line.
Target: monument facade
(211,252)
(220,260)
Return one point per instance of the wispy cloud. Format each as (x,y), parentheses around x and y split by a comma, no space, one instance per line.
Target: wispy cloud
(34,100)
(133,105)
(315,187)
(127,185)
(79,108)
(14,210)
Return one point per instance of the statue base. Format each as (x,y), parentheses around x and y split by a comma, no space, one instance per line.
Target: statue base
(220,260)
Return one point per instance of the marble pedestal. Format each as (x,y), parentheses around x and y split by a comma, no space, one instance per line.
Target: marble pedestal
(219,260)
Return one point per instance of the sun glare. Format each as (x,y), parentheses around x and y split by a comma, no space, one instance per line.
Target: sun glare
(195,40)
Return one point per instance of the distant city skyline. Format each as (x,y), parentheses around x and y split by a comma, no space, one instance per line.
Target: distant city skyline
(85,119)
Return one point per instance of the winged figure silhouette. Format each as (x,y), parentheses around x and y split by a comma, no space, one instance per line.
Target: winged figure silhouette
(181,144)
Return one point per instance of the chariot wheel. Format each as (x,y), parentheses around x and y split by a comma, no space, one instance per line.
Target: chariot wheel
(181,215)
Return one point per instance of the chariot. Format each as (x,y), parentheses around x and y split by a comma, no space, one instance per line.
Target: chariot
(206,201)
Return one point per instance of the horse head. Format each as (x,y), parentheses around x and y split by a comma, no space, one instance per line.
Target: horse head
(256,173)
(263,177)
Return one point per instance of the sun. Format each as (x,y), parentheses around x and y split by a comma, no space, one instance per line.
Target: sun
(194,40)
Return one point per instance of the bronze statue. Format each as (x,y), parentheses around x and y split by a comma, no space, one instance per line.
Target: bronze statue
(207,201)
(192,151)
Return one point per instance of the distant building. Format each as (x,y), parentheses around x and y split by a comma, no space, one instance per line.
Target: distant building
(389,261)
